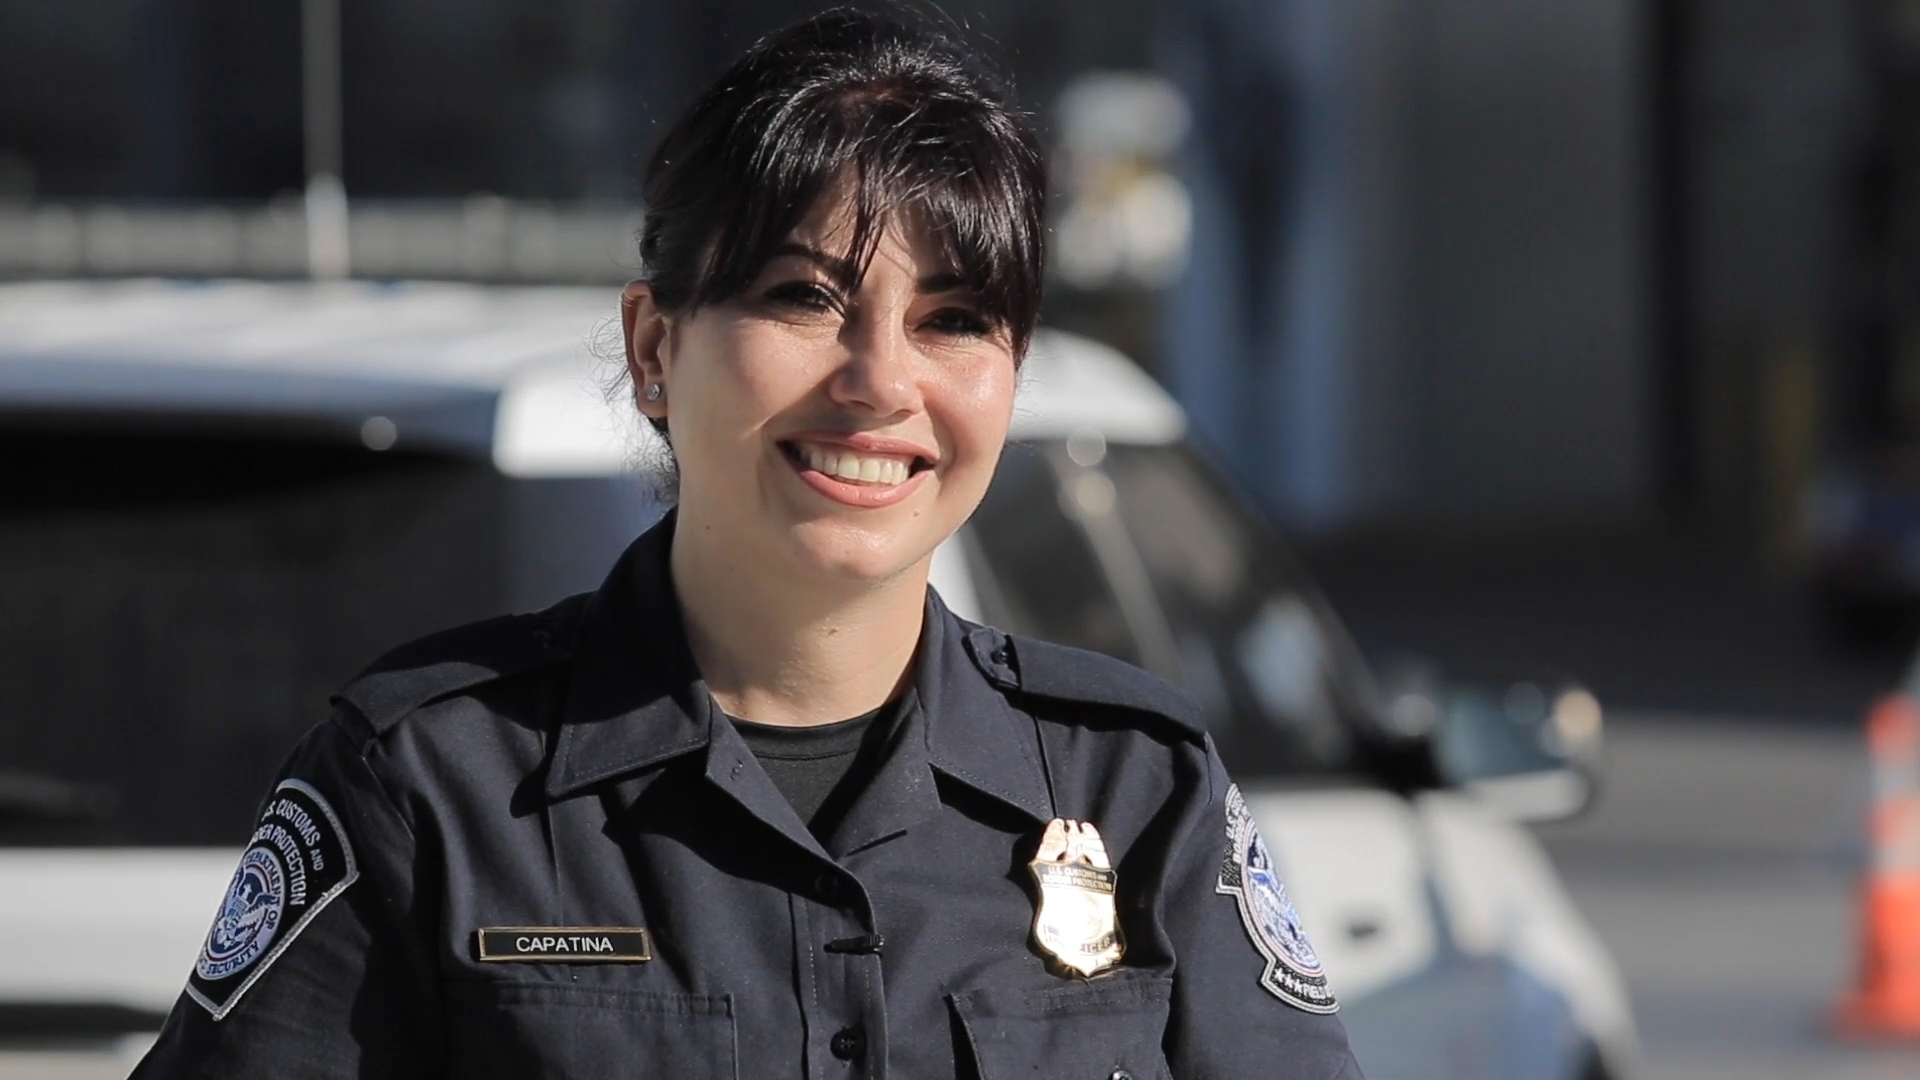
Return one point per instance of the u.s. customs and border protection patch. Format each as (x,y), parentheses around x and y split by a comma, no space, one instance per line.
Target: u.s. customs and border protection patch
(1293,973)
(297,861)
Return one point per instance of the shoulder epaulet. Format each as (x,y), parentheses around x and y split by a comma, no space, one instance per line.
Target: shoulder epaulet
(1079,676)
(450,661)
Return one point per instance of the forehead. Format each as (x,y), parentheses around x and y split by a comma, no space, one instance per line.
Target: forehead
(903,235)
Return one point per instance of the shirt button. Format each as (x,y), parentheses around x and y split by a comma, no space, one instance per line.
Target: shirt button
(827,888)
(1120,1074)
(848,1043)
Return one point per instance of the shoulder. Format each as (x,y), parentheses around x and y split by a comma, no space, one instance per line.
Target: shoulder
(458,660)
(1082,685)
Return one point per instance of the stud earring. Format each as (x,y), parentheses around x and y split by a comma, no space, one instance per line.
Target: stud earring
(654,390)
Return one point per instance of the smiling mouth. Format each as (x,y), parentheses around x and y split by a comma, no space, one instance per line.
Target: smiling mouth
(854,467)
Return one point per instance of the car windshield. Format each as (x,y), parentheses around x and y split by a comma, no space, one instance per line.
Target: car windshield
(1257,645)
(179,602)
(1144,554)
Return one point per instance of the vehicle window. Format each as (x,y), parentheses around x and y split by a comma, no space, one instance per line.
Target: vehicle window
(176,605)
(1268,662)
(1045,579)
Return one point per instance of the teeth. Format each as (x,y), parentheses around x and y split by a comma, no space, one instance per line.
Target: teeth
(854,467)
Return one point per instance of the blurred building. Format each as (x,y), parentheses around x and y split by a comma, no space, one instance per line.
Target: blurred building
(550,100)
(1417,288)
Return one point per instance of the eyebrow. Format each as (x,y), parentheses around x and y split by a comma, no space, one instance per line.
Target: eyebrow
(842,270)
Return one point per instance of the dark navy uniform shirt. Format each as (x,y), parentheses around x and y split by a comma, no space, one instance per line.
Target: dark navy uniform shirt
(452,876)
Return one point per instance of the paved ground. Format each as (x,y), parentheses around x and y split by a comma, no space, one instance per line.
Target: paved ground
(1721,870)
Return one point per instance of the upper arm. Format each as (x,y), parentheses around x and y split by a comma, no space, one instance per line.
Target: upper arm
(1249,998)
(319,961)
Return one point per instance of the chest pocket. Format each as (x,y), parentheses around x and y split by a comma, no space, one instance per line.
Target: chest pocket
(1106,1029)
(547,1031)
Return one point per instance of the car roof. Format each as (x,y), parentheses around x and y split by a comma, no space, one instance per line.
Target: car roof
(515,373)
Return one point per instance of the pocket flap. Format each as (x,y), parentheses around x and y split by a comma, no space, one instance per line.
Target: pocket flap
(1082,1029)
(554,1031)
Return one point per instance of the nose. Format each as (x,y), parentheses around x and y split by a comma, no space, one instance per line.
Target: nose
(879,374)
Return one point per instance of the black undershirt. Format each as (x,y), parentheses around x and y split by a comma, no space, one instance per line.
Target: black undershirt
(822,769)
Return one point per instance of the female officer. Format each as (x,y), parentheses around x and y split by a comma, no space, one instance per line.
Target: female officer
(761,806)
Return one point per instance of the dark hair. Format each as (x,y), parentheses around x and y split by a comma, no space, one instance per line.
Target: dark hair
(901,111)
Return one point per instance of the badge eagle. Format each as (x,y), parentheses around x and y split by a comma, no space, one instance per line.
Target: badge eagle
(1075,922)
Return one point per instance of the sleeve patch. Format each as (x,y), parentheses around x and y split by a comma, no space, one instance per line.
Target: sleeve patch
(297,862)
(1293,972)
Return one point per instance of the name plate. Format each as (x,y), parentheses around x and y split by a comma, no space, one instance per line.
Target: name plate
(565,945)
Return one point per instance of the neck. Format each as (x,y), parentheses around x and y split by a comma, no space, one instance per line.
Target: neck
(777,649)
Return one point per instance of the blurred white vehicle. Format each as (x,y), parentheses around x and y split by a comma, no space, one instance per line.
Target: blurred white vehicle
(223,498)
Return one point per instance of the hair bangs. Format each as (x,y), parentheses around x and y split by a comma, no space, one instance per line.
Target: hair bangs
(907,164)
(888,118)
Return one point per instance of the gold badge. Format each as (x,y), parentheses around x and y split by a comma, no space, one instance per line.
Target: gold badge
(1075,922)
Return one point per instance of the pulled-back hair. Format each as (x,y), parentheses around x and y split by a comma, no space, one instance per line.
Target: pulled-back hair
(899,111)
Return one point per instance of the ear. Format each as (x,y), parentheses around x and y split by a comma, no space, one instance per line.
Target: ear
(646,329)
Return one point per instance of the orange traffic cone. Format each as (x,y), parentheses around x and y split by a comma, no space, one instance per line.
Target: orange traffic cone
(1886,1003)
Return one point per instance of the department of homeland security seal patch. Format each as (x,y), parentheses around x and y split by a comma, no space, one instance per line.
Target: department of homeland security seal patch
(1293,973)
(249,916)
(297,861)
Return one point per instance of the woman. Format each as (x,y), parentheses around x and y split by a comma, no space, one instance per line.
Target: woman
(761,806)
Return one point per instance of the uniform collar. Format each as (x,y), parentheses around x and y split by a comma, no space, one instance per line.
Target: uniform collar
(973,733)
(635,699)
(958,725)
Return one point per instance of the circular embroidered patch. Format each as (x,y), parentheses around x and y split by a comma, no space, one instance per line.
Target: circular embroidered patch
(298,860)
(1293,972)
(249,916)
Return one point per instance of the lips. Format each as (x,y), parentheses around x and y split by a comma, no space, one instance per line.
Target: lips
(859,469)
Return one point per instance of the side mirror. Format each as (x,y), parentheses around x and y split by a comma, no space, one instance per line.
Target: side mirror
(1529,748)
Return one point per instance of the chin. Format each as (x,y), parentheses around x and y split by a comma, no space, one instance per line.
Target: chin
(858,552)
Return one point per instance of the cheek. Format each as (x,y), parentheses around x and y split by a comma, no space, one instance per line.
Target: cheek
(744,373)
(980,408)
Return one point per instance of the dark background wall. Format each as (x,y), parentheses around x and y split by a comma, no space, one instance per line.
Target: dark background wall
(558,99)
(1431,303)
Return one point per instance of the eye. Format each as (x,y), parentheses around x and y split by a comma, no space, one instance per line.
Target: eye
(803,296)
(960,321)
